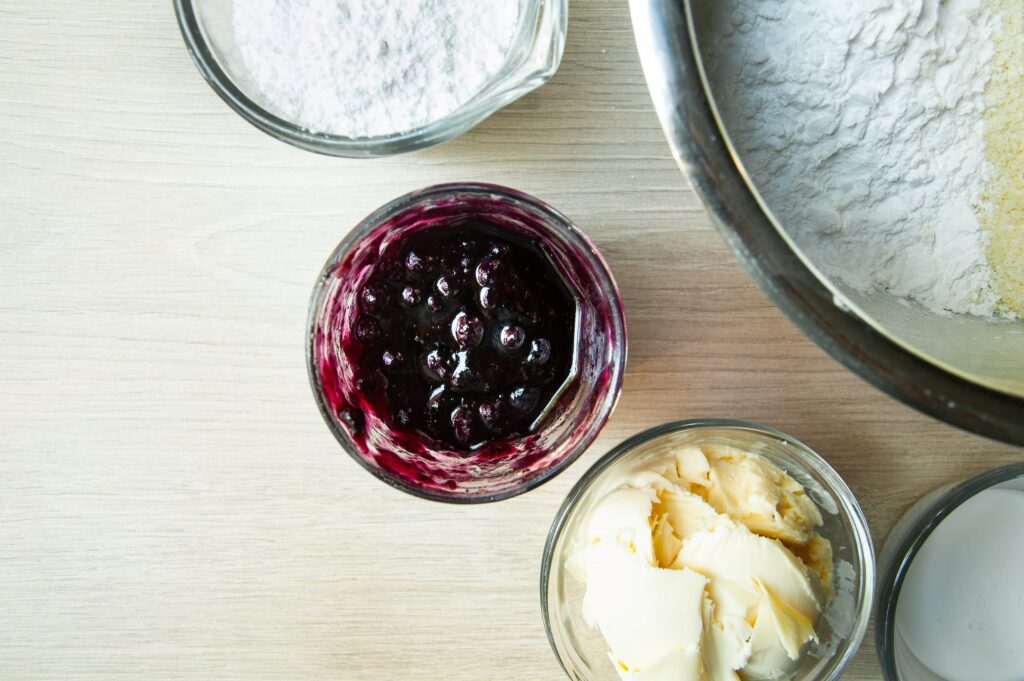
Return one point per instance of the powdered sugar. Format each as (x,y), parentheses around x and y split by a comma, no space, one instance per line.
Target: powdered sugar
(372,67)
(861,125)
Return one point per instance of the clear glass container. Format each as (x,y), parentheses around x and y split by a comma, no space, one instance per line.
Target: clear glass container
(532,59)
(901,547)
(576,414)
(582,651)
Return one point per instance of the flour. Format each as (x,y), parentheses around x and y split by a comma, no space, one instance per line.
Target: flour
(372,67)
(861,125)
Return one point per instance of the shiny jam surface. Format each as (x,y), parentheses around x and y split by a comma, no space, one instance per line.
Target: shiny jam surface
(462,335)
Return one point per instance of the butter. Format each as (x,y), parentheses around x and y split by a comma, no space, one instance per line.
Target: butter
(752,490)
(705,566)
(645,611)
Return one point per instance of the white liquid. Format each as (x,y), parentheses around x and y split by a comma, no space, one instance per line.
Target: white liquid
(961,609)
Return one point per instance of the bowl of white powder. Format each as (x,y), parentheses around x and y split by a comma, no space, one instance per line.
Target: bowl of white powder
(950,594)
(363,78)
(863,161)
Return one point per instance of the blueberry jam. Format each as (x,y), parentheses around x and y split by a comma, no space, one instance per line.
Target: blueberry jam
(466,343)
(462,332)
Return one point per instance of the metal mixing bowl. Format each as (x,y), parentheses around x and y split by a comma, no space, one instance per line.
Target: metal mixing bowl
(964,370)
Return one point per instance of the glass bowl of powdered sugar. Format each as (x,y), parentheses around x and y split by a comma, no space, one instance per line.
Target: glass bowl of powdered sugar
(364,78)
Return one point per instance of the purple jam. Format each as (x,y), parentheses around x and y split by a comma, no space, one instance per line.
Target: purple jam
(466,343)
(463,333)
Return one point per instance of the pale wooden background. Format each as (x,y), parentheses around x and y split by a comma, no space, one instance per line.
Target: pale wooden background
(172,506)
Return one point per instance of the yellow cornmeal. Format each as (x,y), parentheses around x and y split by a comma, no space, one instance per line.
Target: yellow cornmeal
(1002,217)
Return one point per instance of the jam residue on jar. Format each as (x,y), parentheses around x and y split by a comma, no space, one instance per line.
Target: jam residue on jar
(463,332)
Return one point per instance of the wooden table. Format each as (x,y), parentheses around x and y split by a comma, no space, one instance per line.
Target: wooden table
(172,506)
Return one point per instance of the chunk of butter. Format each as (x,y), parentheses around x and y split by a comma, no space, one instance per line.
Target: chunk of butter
(704,566)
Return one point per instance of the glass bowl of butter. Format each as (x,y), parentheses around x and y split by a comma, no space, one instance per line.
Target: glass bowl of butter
(708,550)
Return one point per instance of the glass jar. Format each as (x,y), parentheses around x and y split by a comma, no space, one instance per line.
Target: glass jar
(576,414)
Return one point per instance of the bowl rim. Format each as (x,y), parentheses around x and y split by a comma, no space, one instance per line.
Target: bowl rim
(466,117)
(848,502)
(617,316)
(891,582)
(665,37)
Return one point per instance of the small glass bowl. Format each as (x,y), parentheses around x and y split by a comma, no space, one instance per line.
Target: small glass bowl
(532,59)
(578,412)
(901,547)
(582,651)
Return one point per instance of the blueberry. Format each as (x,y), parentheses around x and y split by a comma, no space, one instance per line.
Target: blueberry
(467,330)
(411,296)
(435,400)
(447,286)
(489,269)
(488,298)
(466,379)
(540,352)
(462,376)
(439,364)
(391,359)
(418,264)
(367,331)
(462,423)
(524,399)
(490,414)
(373,298)
(434,304)
(466,264)
(512,337)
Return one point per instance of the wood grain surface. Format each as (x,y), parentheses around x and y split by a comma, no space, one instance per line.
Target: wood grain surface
(172,506)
